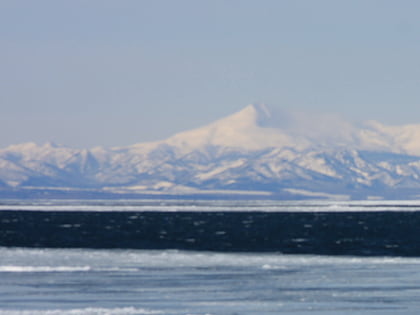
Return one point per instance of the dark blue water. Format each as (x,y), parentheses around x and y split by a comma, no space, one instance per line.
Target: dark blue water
(387,233)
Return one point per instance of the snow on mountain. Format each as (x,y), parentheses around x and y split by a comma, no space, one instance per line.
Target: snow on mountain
(400,139)
(258,127)
(243,130)
(258,149)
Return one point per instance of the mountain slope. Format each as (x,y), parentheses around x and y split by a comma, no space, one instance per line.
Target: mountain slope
(258,149)
(259,127)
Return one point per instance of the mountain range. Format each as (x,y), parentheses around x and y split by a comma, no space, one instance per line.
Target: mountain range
(258,152)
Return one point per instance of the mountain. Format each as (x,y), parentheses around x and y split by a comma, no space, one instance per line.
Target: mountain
(257,152)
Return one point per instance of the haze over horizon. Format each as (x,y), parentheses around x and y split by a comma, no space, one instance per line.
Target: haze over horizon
(113,73)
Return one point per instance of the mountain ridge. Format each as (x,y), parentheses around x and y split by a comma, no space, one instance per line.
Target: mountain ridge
(256,151)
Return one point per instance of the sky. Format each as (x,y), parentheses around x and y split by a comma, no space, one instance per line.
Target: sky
(115,73)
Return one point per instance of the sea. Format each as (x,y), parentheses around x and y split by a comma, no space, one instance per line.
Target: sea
(113,257)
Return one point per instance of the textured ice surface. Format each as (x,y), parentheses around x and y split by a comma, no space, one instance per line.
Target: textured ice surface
(61,281)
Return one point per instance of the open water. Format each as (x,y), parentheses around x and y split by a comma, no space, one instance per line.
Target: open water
(209,257)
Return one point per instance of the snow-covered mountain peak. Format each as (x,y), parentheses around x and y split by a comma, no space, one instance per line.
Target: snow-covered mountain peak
(254,115)
(27,146)
(259,126)
(401,139)
(32,146)
(245,129)
(264,116)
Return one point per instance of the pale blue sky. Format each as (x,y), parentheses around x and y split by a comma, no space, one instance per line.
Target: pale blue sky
(96,72)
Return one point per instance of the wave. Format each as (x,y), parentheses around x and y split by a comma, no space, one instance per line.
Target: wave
(135,260)
(11,268)
(82,311)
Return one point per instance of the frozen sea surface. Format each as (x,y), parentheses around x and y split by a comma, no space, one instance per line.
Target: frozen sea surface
(180,205)
(75,257)
(86,281)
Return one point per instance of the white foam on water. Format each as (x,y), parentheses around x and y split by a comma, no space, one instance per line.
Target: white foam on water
(209,205)
(61,260)
(10,268)
(82,311)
